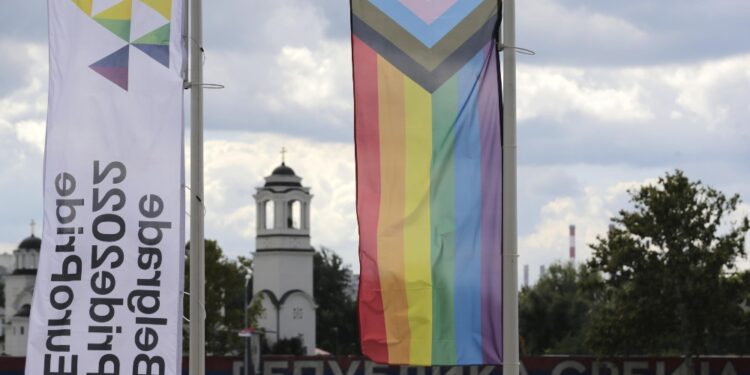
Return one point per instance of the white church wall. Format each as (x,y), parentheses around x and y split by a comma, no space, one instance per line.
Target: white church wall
(18,292)
(267,320)
(280,272)
(7,263)
(298,317)
(283,271)
(16,337)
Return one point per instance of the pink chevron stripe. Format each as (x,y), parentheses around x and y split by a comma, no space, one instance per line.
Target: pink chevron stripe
(428,10)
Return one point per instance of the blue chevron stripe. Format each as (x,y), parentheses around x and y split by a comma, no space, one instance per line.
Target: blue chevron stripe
(429,35)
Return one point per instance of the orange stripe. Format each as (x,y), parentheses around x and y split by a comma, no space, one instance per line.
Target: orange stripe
(391,221)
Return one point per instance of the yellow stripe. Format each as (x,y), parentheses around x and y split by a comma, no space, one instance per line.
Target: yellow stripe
(85,5)
(164,7)
(391,218)
(417,220)
(120,11)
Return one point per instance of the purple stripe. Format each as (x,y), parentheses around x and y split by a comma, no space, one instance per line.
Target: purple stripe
(491,165)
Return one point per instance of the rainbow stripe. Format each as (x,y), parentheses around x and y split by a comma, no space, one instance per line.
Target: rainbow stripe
(428,190)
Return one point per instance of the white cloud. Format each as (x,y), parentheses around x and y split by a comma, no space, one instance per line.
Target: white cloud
(712,90)
(590,212)
(23,110)
(558,92)
(32,133)
(710,95)
(235,164)
(313,79)
(7,247)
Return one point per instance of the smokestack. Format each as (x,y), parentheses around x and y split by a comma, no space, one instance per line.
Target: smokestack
(526,275)
(542,270)
(573,243)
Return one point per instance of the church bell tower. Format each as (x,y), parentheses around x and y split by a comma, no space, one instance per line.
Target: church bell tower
(283,260)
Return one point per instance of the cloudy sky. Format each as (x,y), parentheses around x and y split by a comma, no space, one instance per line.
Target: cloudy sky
(619,93)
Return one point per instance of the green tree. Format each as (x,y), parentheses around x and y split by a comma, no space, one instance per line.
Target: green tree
(670,280)
(336,326)
(554,313)
(225,285)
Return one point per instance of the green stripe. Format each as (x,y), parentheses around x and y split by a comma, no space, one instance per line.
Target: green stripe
(120,28)
(442,207)
(159,37)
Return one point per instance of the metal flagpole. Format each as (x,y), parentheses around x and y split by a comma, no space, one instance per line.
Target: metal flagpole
(511,363)
(245,325)
(197,255)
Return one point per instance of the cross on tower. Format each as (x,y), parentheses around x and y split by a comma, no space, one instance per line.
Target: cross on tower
(283,154)
(33,224)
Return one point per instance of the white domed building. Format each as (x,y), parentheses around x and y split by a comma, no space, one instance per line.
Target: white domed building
(283,259)
(19,288)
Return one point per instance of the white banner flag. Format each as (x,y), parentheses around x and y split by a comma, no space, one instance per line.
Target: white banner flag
(108,294)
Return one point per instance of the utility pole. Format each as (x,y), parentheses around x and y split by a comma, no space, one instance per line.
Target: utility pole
(511,363)
(197,253)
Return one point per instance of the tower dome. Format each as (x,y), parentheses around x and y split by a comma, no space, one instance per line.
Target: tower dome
(27,255)
(283,176)
(283,170)
(31,243)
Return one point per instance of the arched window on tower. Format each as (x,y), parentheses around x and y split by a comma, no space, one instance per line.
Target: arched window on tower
(269,208)
(294,218)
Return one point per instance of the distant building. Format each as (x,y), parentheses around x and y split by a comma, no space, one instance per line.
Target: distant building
(19,288)
(283,259)
(526,275)
(7,262)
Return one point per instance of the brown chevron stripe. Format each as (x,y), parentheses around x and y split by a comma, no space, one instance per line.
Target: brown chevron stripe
(430,58)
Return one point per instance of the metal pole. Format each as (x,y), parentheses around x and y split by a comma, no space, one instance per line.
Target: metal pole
(197,254)
(511,363)
(244,325)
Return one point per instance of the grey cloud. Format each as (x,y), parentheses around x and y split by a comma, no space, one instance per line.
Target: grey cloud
(24,20)
(537,185)
(582,141)
(257,26)
(674,31)
(14,66)
(21,187)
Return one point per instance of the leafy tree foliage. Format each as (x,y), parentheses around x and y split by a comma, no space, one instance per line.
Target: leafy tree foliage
(554,313)
(225,285)
(336,326)
(670,280)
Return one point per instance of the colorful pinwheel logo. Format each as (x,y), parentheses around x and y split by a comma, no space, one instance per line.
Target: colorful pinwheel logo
(118,20)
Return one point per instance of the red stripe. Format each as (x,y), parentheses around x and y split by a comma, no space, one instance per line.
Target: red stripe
(367,152)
